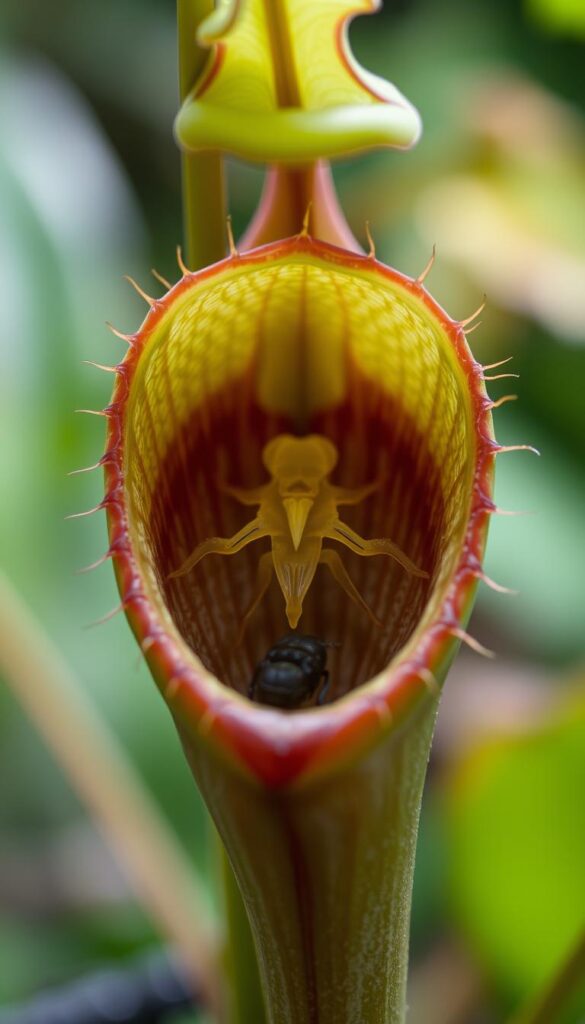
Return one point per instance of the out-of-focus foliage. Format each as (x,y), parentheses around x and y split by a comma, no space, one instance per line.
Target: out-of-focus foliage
(567,16)
(71,227)
(89,190)
(516,849)
(546,618)
(506,217)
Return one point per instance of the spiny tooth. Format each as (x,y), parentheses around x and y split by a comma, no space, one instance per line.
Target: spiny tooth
(297,511)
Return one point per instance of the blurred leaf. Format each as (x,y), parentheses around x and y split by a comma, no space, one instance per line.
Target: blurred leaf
(70,230)
(507,217)
(429,877)
(41,953)
(516,846)
(63,215)
(540,554)
(551,387)
(566,16)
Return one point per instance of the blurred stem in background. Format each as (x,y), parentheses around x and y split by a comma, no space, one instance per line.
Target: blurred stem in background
(203,178)
(244,990)
(106,782)
(559,991)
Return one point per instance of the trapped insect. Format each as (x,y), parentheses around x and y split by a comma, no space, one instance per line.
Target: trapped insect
(297,509)
(292,674)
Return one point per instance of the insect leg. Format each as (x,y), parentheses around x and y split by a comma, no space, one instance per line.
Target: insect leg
(222,546)
(324,688)
(246,496)
(377,546)
(354,495)
(339,572)
(263,578)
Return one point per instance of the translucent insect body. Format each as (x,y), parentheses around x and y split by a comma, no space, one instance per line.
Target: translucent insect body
(297,509)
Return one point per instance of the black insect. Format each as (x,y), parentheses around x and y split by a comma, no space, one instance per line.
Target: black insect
(293,673)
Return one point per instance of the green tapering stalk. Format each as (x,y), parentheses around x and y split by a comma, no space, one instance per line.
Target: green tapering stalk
(204,212)
(326,875)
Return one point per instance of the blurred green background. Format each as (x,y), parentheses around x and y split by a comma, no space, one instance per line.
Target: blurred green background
(90,190)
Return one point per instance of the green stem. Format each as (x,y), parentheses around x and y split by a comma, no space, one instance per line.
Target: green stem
(204,217)
(558,991)
(204,212)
